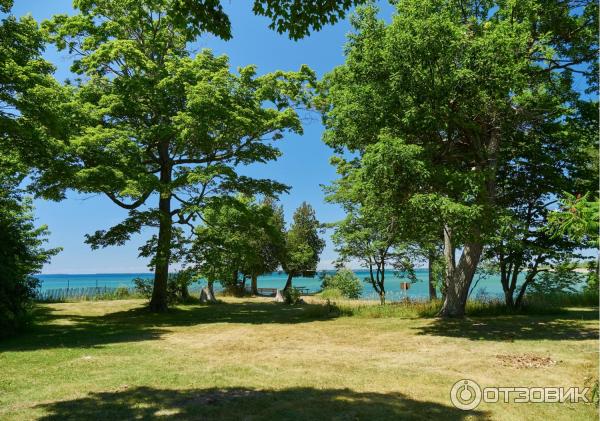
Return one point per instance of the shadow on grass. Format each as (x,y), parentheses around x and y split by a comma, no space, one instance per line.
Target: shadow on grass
(58,329)
(566,326)
(249,311)
(235,404)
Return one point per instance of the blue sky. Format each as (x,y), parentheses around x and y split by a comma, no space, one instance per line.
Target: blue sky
(304,164)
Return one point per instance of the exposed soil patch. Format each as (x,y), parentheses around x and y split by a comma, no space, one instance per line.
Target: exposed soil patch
(525,361)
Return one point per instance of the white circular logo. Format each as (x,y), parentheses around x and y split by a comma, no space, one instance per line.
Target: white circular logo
(465,394)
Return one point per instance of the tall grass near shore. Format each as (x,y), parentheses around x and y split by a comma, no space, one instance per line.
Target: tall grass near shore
(87,294)
(553,303)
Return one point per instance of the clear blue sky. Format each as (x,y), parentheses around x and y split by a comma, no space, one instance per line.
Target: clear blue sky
(304,164)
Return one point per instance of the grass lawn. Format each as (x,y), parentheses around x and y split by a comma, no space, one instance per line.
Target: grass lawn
(253,359)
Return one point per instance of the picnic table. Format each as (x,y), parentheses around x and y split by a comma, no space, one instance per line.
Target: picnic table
(304,290)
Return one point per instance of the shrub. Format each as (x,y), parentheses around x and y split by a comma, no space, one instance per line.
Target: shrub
(21,255)
(143,286)
(15,304)
(345,281)
(292,296)
(177,286)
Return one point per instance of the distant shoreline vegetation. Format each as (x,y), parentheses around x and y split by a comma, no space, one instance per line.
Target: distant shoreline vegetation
(489,285)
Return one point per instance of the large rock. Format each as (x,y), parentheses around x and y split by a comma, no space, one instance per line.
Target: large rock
(279,297)
(206,296)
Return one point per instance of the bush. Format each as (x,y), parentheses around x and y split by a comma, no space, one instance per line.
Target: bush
(21,255)
(292,296)
(345,282)
(143,286)
(177,286)
(16,300)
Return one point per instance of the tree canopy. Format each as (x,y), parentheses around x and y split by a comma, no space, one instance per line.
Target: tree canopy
(240,239)
(303,245)
(296,18)
(151,123)
(466,82)
(23,73)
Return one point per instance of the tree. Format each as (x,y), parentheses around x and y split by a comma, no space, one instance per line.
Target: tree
(296,18)
(550,162)
(23,72)
(374,192)
(151,123)
(464,81)
(239,238)
(302,244)
(266,243)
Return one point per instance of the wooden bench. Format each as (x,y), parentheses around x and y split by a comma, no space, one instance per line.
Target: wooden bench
(267,292)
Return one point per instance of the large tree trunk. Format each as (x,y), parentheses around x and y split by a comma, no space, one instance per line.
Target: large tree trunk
(158,303)
(508,298)
(458,277)
(432,290)
(254,285)
(288,283)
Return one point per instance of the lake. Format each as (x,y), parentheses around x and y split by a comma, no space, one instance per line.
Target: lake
(489,285)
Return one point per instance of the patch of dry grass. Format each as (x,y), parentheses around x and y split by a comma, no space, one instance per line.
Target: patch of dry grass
(254,359)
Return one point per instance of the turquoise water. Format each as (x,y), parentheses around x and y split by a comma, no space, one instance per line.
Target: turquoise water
(489,286)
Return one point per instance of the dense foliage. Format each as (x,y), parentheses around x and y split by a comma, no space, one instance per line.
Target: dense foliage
(460,127)
(483,95)
(178,285)
(240,239)
(345,282)
(303,245)
(23,73)
(160,131)
(21,256)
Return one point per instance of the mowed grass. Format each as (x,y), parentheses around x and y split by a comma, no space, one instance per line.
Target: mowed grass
(257,360)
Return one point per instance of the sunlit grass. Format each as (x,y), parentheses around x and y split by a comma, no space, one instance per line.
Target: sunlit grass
(256,359)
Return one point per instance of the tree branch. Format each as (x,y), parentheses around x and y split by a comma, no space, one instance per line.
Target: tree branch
(129,206)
